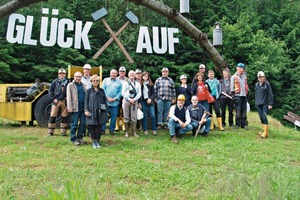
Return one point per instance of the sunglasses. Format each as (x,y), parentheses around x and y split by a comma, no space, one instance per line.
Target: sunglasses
(96,80)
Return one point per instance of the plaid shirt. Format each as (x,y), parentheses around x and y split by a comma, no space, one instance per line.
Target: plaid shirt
(164,88)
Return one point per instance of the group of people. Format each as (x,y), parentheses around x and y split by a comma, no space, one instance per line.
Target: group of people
(177,109)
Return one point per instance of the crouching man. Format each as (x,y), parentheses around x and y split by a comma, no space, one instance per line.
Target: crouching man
(179,119)
(199,117)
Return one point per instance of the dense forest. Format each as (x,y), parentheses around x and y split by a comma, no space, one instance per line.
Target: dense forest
(263,34)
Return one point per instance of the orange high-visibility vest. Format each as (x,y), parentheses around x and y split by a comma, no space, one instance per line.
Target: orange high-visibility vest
(237,85)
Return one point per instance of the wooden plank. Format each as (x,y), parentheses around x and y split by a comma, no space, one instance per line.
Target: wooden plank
(290,119)
(293,115)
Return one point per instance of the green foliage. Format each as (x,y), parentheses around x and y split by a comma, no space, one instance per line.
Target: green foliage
(263,34)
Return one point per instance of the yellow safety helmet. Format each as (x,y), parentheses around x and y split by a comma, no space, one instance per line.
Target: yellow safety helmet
(181,97)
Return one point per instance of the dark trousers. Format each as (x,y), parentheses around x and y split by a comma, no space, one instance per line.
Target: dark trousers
(216,106)
(241,112)
(226,102)
(95,131)
(262,112)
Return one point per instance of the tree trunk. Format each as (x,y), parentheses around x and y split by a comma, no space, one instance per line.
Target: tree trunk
(187,27)
(14,5)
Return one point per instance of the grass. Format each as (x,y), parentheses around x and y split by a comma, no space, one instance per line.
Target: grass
(234,164)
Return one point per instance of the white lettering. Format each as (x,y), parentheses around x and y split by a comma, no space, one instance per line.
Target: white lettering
(172,40)
(61,33)
(12,27)
(144,36)
(28,31)
(82,34)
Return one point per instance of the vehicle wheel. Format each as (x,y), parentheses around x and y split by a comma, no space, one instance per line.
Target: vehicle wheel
(42,112)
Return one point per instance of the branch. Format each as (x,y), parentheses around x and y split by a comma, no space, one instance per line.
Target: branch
(14,5)
(187,27)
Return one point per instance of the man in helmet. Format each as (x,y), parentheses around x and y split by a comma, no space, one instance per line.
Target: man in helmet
(239,91)
(179,119)
(57,94)
(86,78)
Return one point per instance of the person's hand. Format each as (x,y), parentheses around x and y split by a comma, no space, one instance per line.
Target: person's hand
(87,113)
(70,110)
(182,125)
(149,101)
(55,101)
(270,107)
(173,101)
(109,99)
(132,101)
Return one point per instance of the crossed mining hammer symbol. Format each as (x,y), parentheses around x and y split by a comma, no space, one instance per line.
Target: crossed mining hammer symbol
(99,14)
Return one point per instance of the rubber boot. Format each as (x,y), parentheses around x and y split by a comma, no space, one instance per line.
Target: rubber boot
(212,125)
(220,123)
(134,129)
(263,127)
(266,131)
(126,129)
(117,124)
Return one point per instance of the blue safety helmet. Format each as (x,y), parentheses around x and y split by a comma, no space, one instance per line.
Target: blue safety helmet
(241,65)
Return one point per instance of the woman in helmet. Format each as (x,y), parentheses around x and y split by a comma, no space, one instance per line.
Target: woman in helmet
(263,101)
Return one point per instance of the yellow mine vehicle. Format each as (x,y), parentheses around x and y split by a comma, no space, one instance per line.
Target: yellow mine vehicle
(29,102)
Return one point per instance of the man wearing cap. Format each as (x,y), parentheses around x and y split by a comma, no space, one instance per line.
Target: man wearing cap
(263,101)
(113,91)
(165,94)
(75,105)
(184,89)
(86,79)
(239,91)
(122,77)
(57,94)
(179,119)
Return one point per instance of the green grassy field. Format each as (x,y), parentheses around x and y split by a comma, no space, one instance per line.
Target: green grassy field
(234,164)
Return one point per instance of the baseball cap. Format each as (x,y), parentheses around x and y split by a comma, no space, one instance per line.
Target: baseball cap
(201,66)
(61,71)
(183,76)
(122,68)
(241,65)
(138,71)
(165,69)
(260,73)
(87,66)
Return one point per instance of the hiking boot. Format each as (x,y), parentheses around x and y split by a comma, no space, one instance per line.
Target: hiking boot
(126,135)
(173,139)
(98,145)
(146,132)
(165,127)
(112,132)
(158,127)
(63,134)
(94,145)
(204,134)
(103,132)
(76,143)
(136,135)
(154,133)
(49,134)
(245,127)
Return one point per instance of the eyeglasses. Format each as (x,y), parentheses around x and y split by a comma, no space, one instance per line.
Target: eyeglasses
(78,76)
(96,80)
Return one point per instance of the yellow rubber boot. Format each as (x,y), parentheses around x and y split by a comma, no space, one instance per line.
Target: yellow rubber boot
(263,127)
(266,131)
(212,126)
(117,124)
(220,123)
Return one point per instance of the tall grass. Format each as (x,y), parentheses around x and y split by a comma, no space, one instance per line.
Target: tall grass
(234,164)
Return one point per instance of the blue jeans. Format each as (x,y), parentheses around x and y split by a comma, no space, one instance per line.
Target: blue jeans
(175,126)
(77,116)
(148,108)
(205,104)
(262,112)
(207,125)
(113,110)
(163,108)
